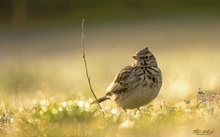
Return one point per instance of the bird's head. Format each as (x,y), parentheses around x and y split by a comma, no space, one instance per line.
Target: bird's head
(144,58)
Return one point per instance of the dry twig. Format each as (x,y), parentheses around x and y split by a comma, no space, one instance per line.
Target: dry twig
(84,59)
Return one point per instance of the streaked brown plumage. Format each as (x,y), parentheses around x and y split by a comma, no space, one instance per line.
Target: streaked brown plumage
(137,84)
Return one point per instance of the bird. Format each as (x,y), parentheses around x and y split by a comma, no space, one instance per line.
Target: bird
(137,84)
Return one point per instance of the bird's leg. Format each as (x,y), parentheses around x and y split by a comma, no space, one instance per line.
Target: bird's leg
(124,110)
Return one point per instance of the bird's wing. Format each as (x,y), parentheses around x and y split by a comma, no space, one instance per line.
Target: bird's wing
(120,85)
(115,88)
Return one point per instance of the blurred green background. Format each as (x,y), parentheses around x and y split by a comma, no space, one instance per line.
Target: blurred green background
(40,44)
(28,13)
(54,12)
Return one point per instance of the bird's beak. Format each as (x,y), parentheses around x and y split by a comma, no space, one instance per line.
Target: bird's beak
(136,57)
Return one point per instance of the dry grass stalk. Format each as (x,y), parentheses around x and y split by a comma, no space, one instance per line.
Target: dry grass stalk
(84,59)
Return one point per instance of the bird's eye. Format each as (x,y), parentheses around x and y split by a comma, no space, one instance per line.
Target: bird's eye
(146,57)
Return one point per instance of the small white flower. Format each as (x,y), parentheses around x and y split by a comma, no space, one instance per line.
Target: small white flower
(44,108)
(41,112)
(114,111)
(64,104)
(54,111)
(80,103)
(87,106)
(11,120)
(60,109)
(44,102)
(68,108)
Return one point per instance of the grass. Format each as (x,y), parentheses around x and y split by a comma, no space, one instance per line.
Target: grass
(47,98)
(76,117)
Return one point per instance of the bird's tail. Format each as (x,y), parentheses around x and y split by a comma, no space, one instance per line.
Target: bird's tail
(99,100)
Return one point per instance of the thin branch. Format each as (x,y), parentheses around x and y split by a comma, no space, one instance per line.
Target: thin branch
(84,59)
